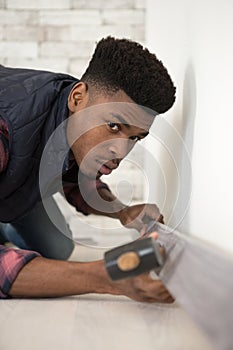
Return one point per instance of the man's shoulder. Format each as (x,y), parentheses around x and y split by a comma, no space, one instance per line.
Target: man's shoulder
(29,93)
(30,79)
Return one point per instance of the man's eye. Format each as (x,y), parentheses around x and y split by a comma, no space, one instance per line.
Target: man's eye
(113,126)
(135,138)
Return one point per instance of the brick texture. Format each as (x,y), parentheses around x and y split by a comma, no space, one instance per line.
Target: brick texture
(64,31)
(18,49)
(69,17)
(2,4)
(38,4)
(133,17)
(60,35)
(1,33)
(103,4)
(16,17)
(22,33)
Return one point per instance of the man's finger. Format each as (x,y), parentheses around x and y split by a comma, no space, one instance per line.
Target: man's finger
(151,234)
(154,235)
(137,223)
(143,230)
(160,219)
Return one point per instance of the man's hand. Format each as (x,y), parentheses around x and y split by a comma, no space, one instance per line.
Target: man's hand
(143,288)
(138,216)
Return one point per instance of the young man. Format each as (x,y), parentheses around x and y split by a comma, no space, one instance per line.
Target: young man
(100,118)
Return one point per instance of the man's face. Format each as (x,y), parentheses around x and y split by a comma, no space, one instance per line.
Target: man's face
(103,132)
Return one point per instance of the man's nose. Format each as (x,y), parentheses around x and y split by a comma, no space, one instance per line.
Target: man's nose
(119,148)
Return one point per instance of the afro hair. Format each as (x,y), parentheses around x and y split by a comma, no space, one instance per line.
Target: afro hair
(122,64)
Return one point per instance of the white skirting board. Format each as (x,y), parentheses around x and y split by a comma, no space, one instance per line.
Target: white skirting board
(200,278)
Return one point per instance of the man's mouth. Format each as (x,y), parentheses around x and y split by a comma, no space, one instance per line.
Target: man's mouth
(107,168)
(104,170)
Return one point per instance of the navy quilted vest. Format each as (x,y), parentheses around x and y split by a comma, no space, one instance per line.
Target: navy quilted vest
(33,103)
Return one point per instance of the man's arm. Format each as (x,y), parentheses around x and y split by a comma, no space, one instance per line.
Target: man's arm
(111,205)
(44,277)
(96,198)
(24,274)
(136,216)
(53,278)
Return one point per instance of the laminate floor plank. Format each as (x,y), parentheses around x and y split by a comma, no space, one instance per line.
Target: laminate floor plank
(96,322)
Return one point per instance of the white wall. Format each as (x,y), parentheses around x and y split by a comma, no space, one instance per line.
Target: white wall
(194,40)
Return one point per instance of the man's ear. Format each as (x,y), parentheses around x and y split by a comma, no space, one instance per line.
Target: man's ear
(78,97)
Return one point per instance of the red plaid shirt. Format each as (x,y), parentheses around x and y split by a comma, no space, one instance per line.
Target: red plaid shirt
(13,260)
(4,153)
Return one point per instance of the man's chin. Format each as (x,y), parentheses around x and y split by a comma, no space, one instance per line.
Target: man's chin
(98,175)
(91,175)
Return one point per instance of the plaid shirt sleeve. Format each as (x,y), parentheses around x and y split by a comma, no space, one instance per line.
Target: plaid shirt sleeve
(11,262)
(74,196)
(4,152)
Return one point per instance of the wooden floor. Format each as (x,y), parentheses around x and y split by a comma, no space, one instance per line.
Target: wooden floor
(96,322)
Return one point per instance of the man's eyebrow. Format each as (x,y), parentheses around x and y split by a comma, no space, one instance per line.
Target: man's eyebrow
(144,134)
(121,119)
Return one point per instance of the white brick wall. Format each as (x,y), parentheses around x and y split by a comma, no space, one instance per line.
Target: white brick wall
(14,17)
(66,49)
(1,33)
(60,35)
(22,33)
(36,32)
(103,4)
(69,17)
(97,32)
(38,4)
(61,64)
(18,49)
(133,17)
(139,4)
